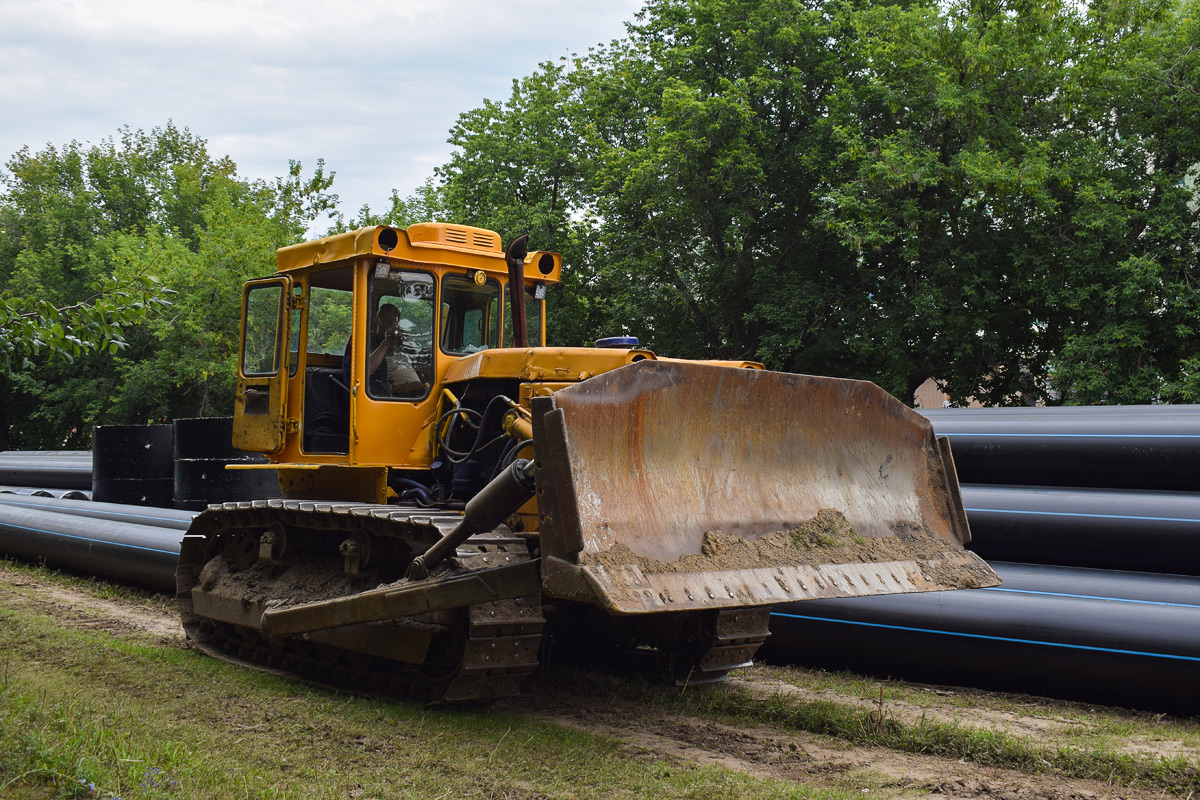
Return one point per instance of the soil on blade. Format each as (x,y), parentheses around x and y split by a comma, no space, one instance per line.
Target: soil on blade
(827,538)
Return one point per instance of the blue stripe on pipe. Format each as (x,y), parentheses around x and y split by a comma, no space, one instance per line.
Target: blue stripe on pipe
(37,507)
(97,541)
(993,638)
(1079,435)
(1090,597)
(1079,514)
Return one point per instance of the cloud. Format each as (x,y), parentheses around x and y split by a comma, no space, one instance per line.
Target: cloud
(372,87)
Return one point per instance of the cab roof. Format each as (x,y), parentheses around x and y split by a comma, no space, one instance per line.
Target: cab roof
(434,243)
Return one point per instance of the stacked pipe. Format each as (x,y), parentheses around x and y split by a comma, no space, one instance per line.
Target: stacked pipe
(132,464)
(46,469)
(144,469)
(1120,638)
(1103,447)
(65,494)
(129,543)
(203,450)
(1111,487)
(1100,528)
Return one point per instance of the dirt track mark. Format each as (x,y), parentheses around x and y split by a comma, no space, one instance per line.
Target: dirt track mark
(85,611)
(1031,726)
(807,758)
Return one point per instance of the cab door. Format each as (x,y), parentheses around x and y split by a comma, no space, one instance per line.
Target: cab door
(258,414)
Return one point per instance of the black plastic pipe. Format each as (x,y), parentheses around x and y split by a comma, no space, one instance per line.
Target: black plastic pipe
(1128,639)
(51,473)
(203,448)
(1041,412)
(1183,590)
(70,455)
(21,462)
(116,512)
(31,491)
(1130,447)
(37,491)
(133,464)
(1102,528)
(138,554)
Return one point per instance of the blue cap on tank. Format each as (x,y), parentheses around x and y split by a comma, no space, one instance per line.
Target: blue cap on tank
(618,341)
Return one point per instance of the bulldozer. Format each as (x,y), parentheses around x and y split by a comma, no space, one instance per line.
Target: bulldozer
(459,502)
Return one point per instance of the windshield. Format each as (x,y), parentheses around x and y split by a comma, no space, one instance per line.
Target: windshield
(400,344)
(470,321)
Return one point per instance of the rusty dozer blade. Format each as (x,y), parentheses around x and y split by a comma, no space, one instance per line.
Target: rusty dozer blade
(667,486)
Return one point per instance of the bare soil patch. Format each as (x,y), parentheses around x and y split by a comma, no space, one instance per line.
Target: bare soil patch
(83,610)
(813,759)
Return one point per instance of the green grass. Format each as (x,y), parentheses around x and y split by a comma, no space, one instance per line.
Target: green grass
(86,714)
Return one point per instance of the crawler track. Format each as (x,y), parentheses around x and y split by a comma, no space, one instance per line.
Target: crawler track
(481,651)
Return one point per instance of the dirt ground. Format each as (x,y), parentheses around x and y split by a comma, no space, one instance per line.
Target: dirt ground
(765,751)
(818,760)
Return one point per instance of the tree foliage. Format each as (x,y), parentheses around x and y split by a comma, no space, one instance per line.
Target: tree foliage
(1006,188)
(30,327)
(991,192)
(519,168)
(1130,311)
(82,230)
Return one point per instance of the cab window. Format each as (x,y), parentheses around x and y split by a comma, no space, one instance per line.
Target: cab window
(261,342)
(470,318)
(330,326)
(533,319)
(294,336)
(330,310)
(399,353)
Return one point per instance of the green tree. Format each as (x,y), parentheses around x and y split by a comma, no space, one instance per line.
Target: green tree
(1130,303)
(1009,202)
(79,219)
(518,168)
(991,192)
(955,172)
(708,193)
(676,171)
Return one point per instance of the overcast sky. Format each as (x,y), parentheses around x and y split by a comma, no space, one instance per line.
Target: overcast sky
(372,87)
